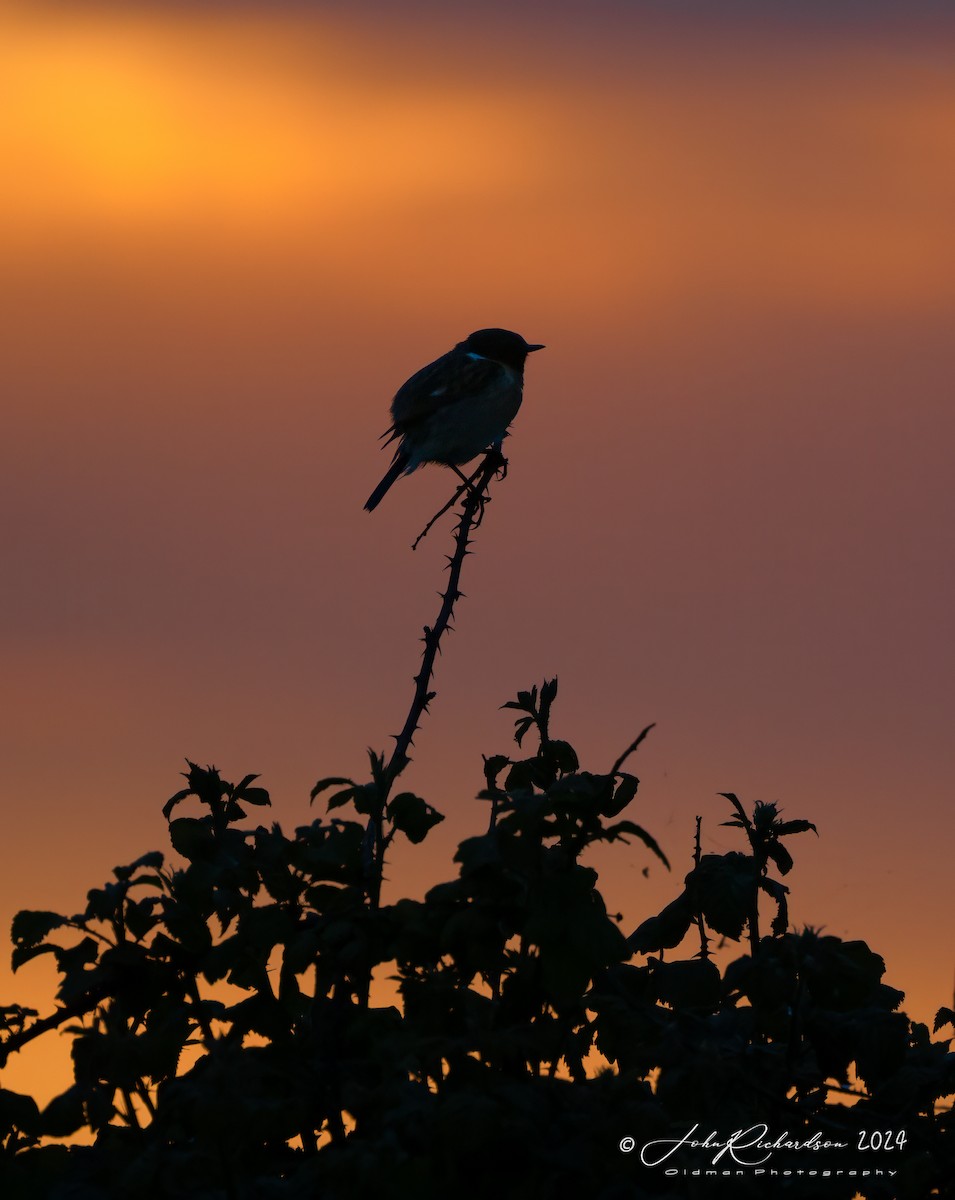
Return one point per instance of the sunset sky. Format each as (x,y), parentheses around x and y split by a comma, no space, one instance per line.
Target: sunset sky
(228,233)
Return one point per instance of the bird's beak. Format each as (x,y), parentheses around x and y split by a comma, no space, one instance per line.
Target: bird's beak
(539,346)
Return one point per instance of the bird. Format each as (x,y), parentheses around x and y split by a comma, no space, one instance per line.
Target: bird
(456,407)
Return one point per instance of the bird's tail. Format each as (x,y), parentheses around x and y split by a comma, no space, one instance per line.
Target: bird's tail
(397,468)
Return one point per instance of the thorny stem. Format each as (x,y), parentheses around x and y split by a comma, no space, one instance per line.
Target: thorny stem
(464,486)
(79,1008)
(697,854)
(754,921)
(475,497)
(630,749)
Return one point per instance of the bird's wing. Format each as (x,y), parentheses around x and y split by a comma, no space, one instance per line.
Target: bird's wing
(440,385)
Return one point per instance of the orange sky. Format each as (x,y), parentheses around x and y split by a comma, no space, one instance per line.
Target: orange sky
(227,239)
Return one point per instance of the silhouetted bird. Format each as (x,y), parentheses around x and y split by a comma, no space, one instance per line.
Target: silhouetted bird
(457,406)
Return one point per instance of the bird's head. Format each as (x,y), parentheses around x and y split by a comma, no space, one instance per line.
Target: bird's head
(499,345)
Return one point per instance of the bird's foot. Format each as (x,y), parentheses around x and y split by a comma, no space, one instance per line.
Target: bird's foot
(494,458)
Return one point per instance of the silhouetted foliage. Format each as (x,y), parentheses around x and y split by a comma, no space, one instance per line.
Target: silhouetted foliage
(232,1037)
(296,1082)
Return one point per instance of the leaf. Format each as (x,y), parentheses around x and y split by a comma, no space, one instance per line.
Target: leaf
(779,892)
(192,837)
(174,800)
(32,925)
(563,754)
(64,1114)
(493,766)
(624,792)
(841,975)
(735,801)
(523,774)
(567,920)
(330,781)
(723,886)
(787,827)
(521,728)
(153,859)
(621,827)
(780,856)
(880,1042)
(103,904)
(325,853)
(254,795)
(17,1112)
(140,917)
(664,931)
(579,793)
(477,853)
(944,1016)
(364,796)
(526,701)
(413,816)
(689,983)
(23,954)
(343,797)
(74,960)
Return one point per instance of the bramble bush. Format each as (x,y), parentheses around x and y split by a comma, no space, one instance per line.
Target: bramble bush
(532,1038)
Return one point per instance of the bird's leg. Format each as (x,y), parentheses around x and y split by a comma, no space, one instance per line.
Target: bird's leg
(467,485)
(497,460)
(467,482)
